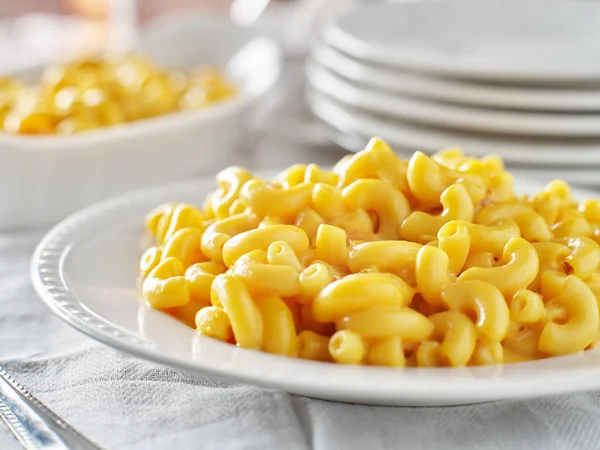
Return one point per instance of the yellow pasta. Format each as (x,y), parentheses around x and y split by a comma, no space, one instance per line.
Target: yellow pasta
(501,187)
(261,238)
(457,337)
(278,324)
(422,227)
(355,292)
(358,224)
(185,246)
(165,286)
(220,231)
(387,352)
(184,216)
(532,225)
(90,93)
(432,261)
(213,322)
(584,258)
(389,205)
(376,162)
(313,346)
(291,176)
(428,354)
(485,238)
(327,200)
(526,307)
(547,205)
(427,179)
(455,240)
(331,246)
(157,220)
(520,268)
(263,278)
(245,317)
(590,210)
(313,280)
(264,199)
(150,260)
(487,352)
(552,256)
(574,226)
(308,322)
(199,279)
(309,221)
(397,257)
(552,283)
(482,299)
(432,273)
(314,174)
(280,253)
(387,322)
(230,183)
(582,326)
(347,347)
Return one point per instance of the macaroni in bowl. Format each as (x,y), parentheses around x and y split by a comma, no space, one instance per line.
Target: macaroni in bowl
(88,94)
(432,261)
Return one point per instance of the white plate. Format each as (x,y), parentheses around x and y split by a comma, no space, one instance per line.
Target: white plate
(453,116)
(45,178)
(85,271)
(582,177)
(501,40)
(548,153)
(455,91)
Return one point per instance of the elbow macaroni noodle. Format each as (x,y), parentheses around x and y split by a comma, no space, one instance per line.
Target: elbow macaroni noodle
(430,262)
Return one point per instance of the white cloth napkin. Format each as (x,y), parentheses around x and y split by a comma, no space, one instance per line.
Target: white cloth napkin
(124,403)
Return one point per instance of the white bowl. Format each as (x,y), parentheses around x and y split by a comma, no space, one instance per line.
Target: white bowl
(43,179)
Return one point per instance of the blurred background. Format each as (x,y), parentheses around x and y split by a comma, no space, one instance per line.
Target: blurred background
(40,31)
(515,78)
(40,34)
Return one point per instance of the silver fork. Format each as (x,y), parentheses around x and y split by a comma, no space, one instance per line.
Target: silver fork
(33,423)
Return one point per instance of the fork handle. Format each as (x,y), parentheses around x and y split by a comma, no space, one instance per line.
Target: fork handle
(25,422)
(34,424)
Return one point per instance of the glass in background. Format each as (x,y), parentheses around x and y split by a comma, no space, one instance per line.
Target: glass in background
(39,32)
(290,22)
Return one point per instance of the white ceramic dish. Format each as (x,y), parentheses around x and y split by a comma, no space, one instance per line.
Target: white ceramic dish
(535,153)
(85,271)
(455,91)
(494,40)
(452,116)
(43,179)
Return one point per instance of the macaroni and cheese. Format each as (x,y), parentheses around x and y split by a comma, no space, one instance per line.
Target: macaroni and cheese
(93,93)
(431,261)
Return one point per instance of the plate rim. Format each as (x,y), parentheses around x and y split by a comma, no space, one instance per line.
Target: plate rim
(463,118)
(47,276)
(314,95)
(425,86)
(340,39)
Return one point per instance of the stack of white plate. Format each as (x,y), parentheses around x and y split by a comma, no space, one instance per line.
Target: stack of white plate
(516,78)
